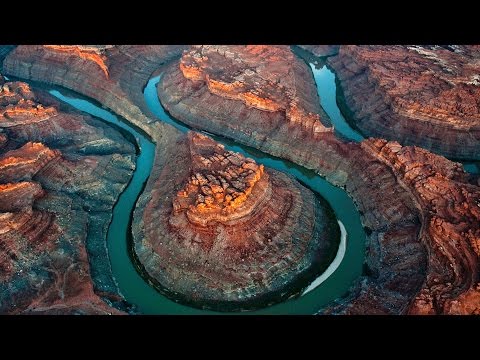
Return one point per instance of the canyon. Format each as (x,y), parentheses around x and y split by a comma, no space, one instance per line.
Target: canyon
(449,203)
(399,263)
(427,96)
(249,201)
(60,173)
(420,211)
(238,236)
(112,75)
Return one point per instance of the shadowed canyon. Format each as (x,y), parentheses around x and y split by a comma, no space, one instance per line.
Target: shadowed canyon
(265,179)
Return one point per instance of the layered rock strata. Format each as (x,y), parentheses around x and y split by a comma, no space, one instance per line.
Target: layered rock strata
(221,232)
(399,260)
(427,96)
(276,86)
(113,75)
(120,88)
(60,175)
(449,204)
(402,273)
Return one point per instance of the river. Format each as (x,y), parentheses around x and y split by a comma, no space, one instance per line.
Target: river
(326,86)
(333,283)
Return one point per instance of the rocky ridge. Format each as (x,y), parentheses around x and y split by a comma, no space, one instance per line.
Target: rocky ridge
(129,69)
(220,188)
(112,75)
(425,96)
(275,85)
(231,235)
(449,204)
(60,174)
(399,264)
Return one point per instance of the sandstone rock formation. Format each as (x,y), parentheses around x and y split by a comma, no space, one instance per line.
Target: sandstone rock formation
(129,68)
(60,174)
(426,96)
(222,184)
(82,52)
(275,85)
(400,263)
(419,210)
(113,75)
(450,209)
(221,232)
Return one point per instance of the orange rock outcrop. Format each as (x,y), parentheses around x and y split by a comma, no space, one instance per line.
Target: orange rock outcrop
(262,77)
(44,266)
(25,162)
(224,233)
(220,187)
(16,196)
(115,75)
(90,53)
(17,106)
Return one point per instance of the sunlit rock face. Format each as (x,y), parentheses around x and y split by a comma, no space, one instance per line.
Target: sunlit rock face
(222,185)
(55,167)
(114,75)
(268,78)
(418,95)
(91,53)
(225,233)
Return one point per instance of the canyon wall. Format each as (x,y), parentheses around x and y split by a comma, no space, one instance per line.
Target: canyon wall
(112,75)
(217,231)
(419,210)
(60,175)
(398,259)
(427,96)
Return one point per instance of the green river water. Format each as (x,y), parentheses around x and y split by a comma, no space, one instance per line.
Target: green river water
(148,300)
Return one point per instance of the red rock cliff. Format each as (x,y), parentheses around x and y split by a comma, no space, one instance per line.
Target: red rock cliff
(267,78)
(450,208)
(425,96)
(44,265)
(235,235)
